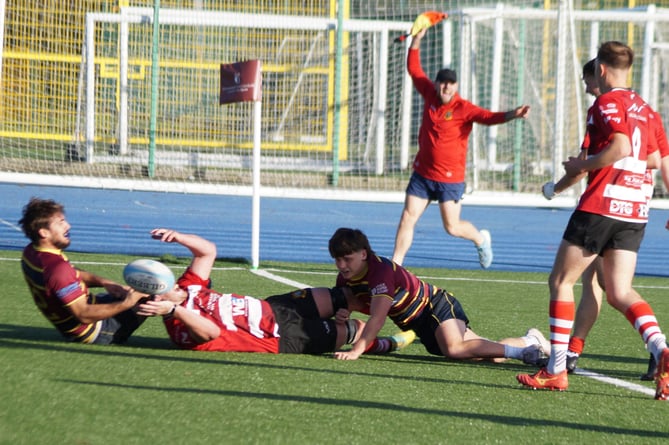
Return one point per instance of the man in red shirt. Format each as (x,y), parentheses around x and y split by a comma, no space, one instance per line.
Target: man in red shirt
(609,220)
(439,165)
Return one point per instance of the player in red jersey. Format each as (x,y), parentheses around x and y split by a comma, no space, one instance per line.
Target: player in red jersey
(439,165)
(199,318)
(609,220)
(592,279)
(383,289)
(61,291)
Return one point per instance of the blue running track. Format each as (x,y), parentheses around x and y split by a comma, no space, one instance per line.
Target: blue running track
(113,221)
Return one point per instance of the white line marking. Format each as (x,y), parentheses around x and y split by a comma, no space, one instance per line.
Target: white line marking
(615,382)
(271,276)
(10,225)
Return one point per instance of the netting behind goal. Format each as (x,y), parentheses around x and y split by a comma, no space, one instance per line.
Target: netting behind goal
(339,114)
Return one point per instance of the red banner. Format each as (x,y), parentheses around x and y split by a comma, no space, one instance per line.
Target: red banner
(241,82)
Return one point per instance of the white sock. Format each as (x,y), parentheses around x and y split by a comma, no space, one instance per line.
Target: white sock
(558,359)
(513,352)
(530,340)
(656,345)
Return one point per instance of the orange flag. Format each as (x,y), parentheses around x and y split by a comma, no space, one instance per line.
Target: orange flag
(423,21)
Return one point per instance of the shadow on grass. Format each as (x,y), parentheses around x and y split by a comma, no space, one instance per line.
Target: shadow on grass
(47,339)
(392,408)
(42,334)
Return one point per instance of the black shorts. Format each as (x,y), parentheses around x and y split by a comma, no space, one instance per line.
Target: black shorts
(443,306)
(116,329)
(301,331)
(597,233)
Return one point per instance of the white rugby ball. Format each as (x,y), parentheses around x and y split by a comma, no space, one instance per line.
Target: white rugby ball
(148,276)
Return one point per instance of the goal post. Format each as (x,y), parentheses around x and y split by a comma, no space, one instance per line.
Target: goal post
(222,22)
(76,82)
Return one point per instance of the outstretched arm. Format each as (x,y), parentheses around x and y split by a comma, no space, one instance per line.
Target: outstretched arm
(550,189)
(378,312)
(203,251)
(201,329)
(517,113)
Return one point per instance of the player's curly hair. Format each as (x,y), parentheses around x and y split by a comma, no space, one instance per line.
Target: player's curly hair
(345,241)
(37,214)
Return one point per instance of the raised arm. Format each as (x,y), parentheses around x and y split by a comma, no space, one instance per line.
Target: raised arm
(203,251)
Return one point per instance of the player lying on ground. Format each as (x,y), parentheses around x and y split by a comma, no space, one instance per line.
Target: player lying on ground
(383,289)
(199,318)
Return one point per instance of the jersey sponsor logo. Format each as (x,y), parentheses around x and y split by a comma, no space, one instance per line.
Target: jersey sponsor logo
(635,181)
(636,108)
(643,211)
(621,208)
(380,288)
(448,115)
(238,306)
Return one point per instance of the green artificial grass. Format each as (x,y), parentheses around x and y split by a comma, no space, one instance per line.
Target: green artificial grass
(147,392)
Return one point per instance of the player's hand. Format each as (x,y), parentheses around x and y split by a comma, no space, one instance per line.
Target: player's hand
(574,166)
(151,308)
(342,315)
(165,235)
(548,190)
(118,291)
(346,355)
(667,225)
(521,112)
(134,296)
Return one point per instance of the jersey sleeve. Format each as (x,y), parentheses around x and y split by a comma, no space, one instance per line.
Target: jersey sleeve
(421,82)
(65,281)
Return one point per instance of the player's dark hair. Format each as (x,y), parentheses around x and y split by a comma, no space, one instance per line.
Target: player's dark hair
(589,68)
(37,214)
(615,54)
(346,241)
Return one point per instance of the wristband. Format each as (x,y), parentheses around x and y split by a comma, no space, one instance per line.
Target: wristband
(171,312)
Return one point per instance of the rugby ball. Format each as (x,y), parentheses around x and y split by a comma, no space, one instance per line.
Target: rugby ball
(148,276)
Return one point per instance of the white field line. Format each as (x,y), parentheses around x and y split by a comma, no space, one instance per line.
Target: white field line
(615,382)
(279,279)
(10,225)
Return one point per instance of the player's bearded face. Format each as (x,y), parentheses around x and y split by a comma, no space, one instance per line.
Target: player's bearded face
(58,233)
(446,91)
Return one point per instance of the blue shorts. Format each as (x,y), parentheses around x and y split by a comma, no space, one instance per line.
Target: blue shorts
(434,190)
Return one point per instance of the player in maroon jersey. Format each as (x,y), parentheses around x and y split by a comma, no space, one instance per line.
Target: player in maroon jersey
(609,220)
(62,292)
(383,289)
(199,318)
(439,165)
